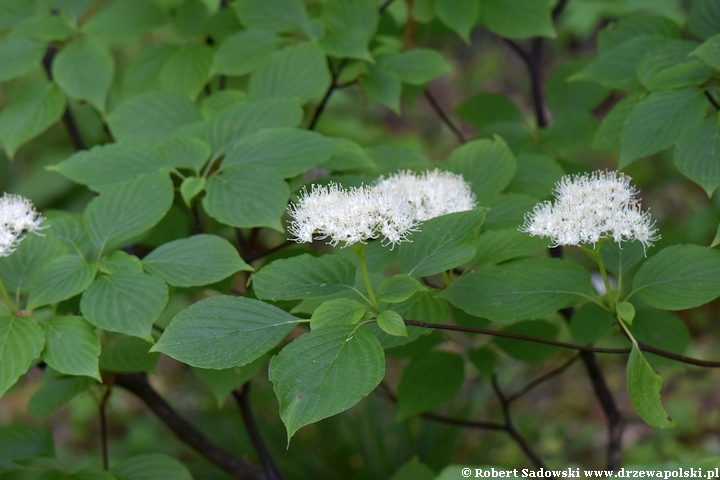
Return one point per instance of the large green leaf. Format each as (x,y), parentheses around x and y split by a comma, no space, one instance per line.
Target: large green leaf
(350,25)
(56,393)
(644,387)
(442,243)
(85,71)
(590,323)
(71,346)
(697,154)
(272,15)
(30,114)
(428,381)
(194,261)
(632,26)
(670,66)
(709,51)
(105,165)
(18,56)
(488,165)
(525,351)
(398,288)
(152,466)
(21,441)
(233,123)
(535,175)
(19,272)
(125,17)
(184,152)
(679,277)
(187,70)
(246,197)
(128,209)
(303,276)
(286,152)
(297,72)
(517,18)
(151,117)
(529,288)
(224,332)
(659,120)
(661,330)
(64,277)
(128,354)
(325,372)
(382,85)
(459,15)
(126,302)
(704,18)
(498,246)
(419,65)
(21,341)
(143,72)
(341,311)
(242,52)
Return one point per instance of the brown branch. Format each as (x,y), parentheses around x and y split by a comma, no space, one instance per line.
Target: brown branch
(137,383)
(104,429)
(242,396)
(443,116)
(541,379)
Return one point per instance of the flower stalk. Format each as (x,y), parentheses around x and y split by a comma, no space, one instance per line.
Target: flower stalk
(360,252)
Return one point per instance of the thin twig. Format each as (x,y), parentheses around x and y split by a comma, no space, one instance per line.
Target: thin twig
(137,383)
(104,428)
(711,100)
(443,116)
(541,379)
(197,219)
(385,6)
(328,93)
(242,396)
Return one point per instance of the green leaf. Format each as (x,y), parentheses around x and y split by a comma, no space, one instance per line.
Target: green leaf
(459,16)
(535,175)
(151,117)
(423,306)
(105,165)
(143,72)
(272,15)
(21,341)
(497,246)
(518,18)
(246,197)
(659,120)
(30,114)
(626,311)
(128,209)
(18,56)
(56,393)
(242,52)
(233,123)
(341,311)
(20,441)
(325,372)
(508,211)
(704,18)
(303,276)
(609,133)
(187,70)
(19,272)
(125,18)
(644,387)
(488,165)
(633,26)
(669,66)
(184,152)
(428,381)
(483,359)
(64,277)
(297,72)
(413,469)
(120,261)
(523,289)
(616,67)
(194,261)
(129,354)
(71,346)
(679,277)
(190,188)
(525,351)
(661,330)
(224,332)
(442,243)
(697,154)
(590,323)
(709,51)
(222,382)
(565,96)
(286,152)
(419,65)
(85,71)
(220,100)
(484,108)
(45,28)
(350,25)
(383,86)
(151,466)
(392,323)
(126,302)
(398,288)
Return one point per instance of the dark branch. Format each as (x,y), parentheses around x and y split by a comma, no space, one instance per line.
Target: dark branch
(542,379)
(104,429)
(712,100)
(137,383)
(385,6)
(328,93)
(557,11)
(443,116)
(242,396)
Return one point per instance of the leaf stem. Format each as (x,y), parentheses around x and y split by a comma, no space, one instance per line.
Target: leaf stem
(360,252)
(597,256)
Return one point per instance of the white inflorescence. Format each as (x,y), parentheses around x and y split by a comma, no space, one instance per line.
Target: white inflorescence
(17,216)
(589,207)
(390,210)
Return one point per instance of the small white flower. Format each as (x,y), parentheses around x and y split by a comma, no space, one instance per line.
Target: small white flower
(17,216)
(431,193)
(589,207)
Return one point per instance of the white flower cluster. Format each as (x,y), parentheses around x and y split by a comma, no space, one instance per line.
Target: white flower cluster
(17,216)
(589,207)
(391,209)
